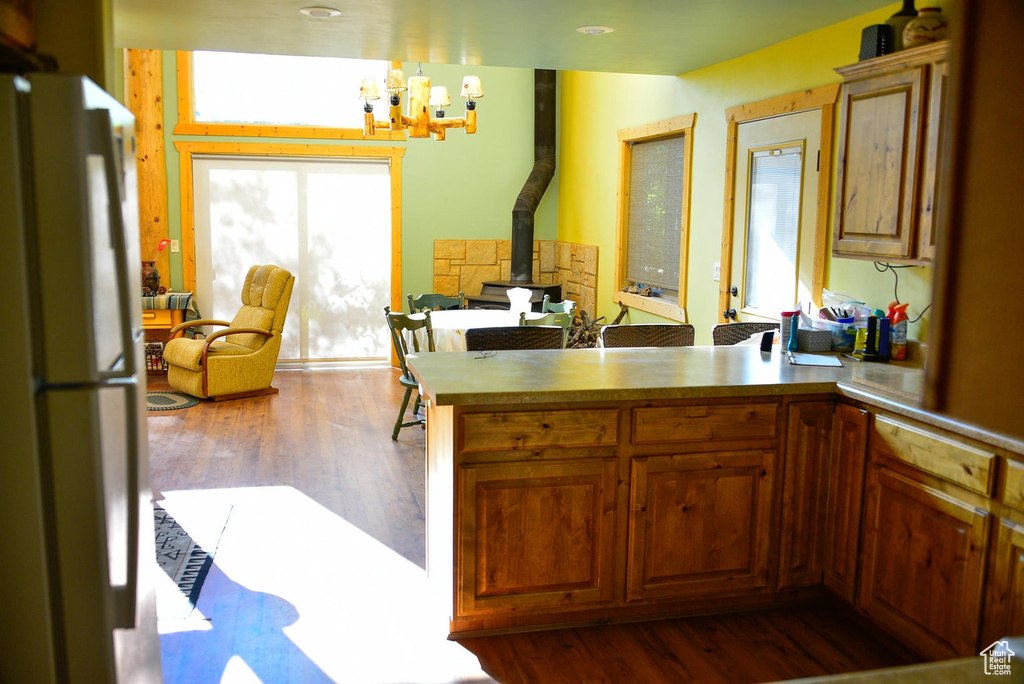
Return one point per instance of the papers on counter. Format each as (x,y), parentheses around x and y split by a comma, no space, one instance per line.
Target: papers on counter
(801,359)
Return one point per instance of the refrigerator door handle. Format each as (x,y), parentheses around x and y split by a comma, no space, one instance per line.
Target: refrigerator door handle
(126,595)
(103,144)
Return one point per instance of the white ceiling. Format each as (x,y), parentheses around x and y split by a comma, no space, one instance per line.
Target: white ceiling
(651,36)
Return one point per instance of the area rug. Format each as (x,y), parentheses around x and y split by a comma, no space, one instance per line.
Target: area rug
(168,401)
(184,561)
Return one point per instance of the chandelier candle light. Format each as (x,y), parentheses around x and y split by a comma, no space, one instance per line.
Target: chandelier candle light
(422,98)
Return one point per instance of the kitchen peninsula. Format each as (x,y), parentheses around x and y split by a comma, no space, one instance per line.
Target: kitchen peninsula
(583,486)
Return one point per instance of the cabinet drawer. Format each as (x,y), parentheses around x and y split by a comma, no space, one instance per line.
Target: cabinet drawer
(530,429)
(161,318)
(701,423)
(1013,490)
(962,463)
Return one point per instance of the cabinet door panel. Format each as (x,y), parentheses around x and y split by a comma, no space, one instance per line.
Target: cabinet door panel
(879,138)
(804,489)
(922,565)
(1004,603)
(845,496)
(699,524)
(535,534)
(933,144)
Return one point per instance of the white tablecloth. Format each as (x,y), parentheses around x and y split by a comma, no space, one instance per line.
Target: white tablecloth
(450,326)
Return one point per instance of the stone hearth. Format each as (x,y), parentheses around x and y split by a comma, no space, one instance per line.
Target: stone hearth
(464,265)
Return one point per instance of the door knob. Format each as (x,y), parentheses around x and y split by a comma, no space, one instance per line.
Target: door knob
(734,291)
(729,314)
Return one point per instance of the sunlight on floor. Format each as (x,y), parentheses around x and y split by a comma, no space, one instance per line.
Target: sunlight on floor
(298,594)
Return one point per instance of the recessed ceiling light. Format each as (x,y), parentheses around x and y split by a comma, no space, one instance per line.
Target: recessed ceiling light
(320,12)
(595,30)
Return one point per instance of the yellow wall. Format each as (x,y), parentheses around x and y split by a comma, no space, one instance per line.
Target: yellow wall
(595,106)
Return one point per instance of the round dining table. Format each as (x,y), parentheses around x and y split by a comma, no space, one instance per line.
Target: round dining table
(450,325)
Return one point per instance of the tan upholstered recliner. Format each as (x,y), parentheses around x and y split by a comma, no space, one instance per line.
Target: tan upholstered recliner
(239,360)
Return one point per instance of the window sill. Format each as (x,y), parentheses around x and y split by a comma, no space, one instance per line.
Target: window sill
(667,307)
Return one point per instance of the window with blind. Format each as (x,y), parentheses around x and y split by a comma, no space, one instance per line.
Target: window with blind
(654,198)
(655,212)
(773,229)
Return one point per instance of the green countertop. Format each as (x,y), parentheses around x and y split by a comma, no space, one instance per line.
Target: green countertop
(506,378)
(527,377)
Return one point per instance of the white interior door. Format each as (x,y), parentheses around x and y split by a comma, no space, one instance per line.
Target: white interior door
(773,229)
(325,220)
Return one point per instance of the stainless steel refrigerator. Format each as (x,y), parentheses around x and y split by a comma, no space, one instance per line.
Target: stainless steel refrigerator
(76,528)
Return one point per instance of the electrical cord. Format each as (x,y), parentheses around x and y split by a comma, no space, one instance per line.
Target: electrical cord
(882,267)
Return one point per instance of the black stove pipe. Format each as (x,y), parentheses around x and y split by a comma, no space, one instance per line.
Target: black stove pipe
(543,171)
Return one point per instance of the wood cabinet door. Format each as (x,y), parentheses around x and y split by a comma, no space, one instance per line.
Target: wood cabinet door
(845,496)
(699,524)
(1004,598)
(535,534)
(922,565)
(878,146)
(804,492)
(933,144)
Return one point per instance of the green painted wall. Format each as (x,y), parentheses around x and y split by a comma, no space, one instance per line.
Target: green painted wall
(461,188)
(595,106)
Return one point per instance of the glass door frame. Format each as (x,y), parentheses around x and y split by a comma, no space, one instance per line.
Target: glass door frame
(188,148)
(823,98)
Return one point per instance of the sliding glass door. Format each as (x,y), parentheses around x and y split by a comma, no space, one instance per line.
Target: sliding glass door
(325,220)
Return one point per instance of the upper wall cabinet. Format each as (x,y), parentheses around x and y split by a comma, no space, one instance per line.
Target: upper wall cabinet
(888,152)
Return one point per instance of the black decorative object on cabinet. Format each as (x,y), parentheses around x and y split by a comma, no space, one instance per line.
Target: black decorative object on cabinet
(898,21)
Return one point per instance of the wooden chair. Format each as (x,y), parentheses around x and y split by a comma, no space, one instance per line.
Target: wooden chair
(433,301)
(648,335)
(733,333)
(514,337)
(399,324)
(565,306)
(562,320)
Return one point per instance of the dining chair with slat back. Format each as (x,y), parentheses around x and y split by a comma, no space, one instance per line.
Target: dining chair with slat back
(565,306)
(648,335)
(514,337)
(734,333)
(432,301)
(562,320)
(403,332)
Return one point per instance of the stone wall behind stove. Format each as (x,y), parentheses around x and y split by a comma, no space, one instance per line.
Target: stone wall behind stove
(464,265)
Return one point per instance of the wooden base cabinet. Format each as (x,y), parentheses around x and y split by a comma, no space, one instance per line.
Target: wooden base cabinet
(922,564)
(699,524)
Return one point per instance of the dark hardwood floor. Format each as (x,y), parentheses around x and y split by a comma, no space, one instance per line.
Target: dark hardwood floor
(328,435)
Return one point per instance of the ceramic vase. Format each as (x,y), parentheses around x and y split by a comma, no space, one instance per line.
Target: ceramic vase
(928,26)
(898,21)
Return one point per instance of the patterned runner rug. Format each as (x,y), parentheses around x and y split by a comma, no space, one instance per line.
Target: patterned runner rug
(184,561)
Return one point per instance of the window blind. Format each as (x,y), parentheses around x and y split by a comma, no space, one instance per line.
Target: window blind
(655,212)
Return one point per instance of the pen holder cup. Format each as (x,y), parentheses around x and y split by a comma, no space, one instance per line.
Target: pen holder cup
(814,340)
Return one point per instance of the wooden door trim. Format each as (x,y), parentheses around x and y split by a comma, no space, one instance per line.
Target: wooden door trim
(823,98)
